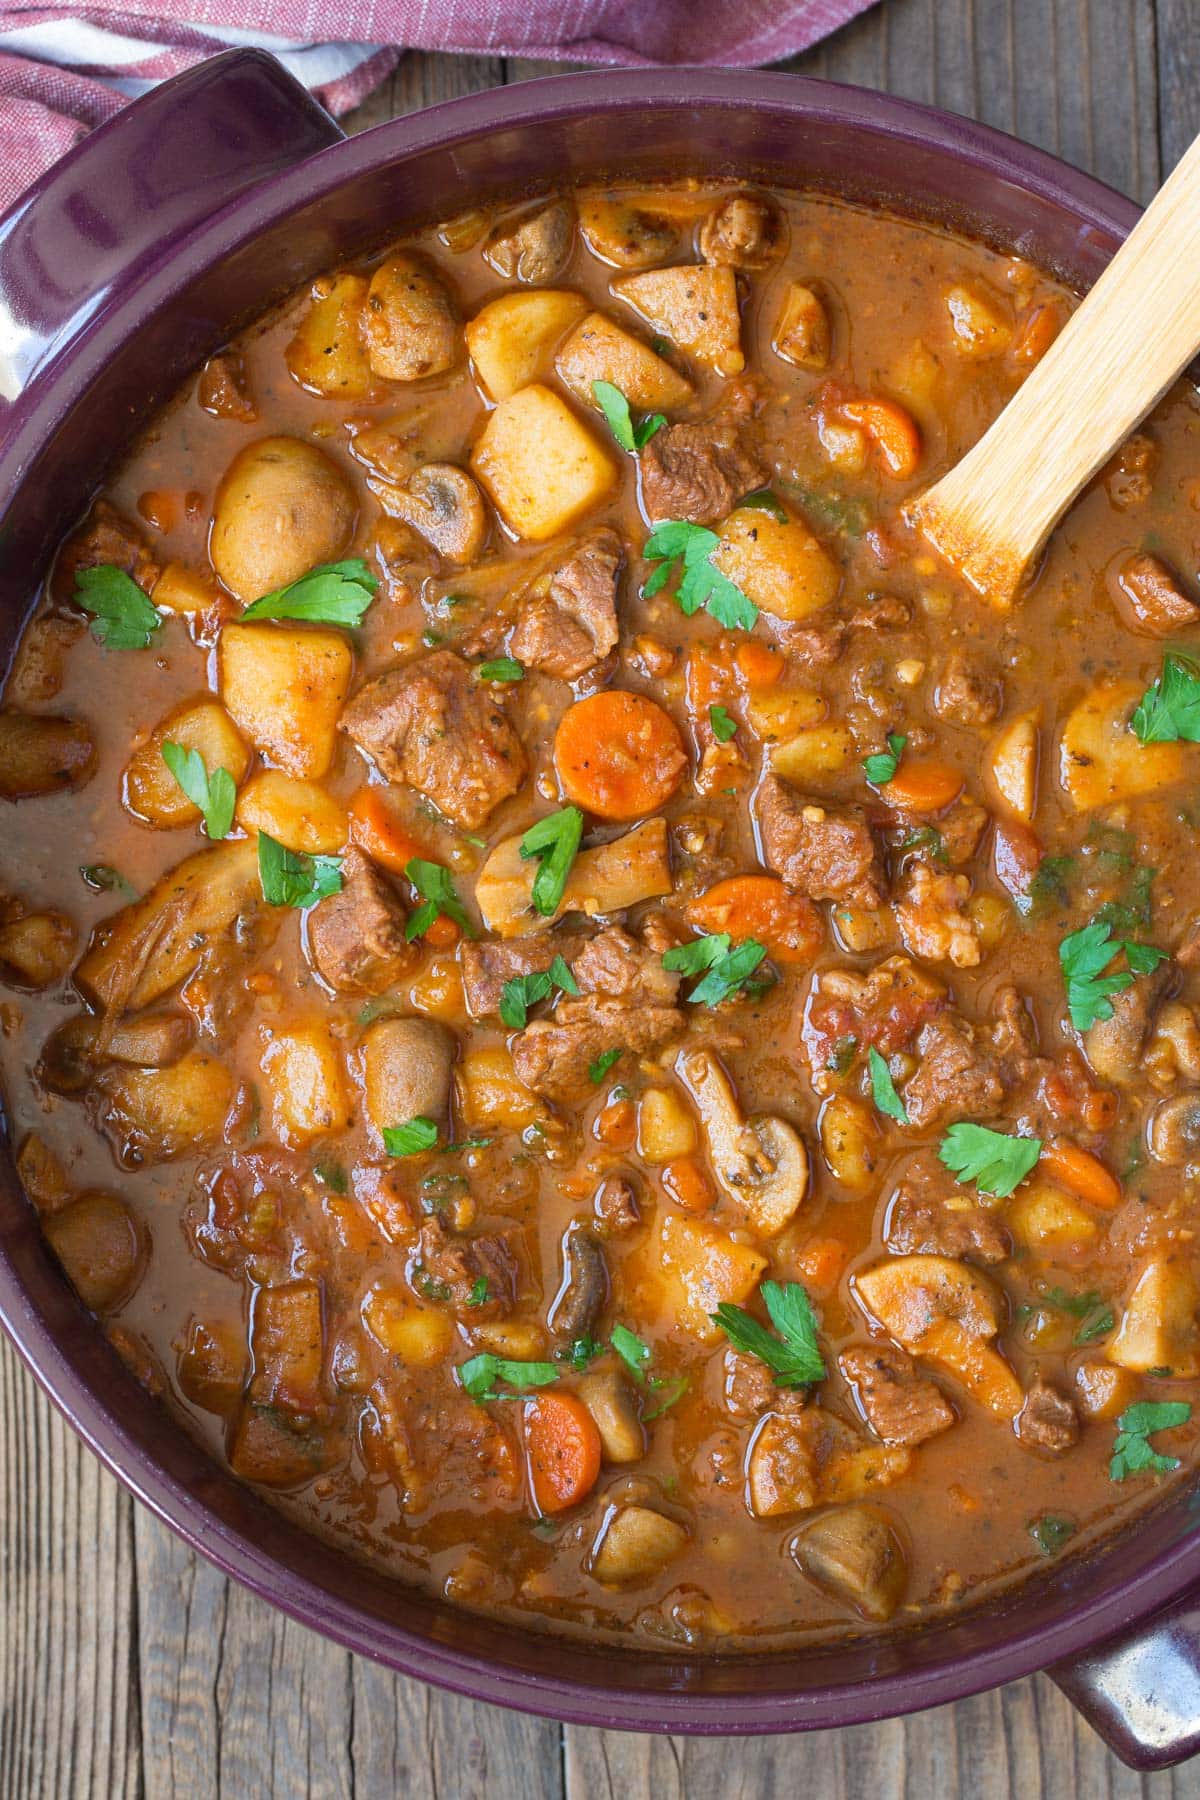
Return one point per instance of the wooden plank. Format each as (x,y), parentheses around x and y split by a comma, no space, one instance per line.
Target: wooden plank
(1178,88)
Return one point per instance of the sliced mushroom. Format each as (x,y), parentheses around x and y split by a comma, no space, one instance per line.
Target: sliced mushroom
(407,1070)
(854,1554)
(635,1542)
(43,755)
(1114,1046)
(759,1162)
(534,248)
(1012,765)
(100,1246)
(584,1289)
(1158,1324)
(443,504)
(615,1407)
(624,233)
(1173,1133)
(75,1050)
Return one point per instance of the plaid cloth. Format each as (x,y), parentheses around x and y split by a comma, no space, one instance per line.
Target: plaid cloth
(65,69)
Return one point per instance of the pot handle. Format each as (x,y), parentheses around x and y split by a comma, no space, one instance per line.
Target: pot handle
(1141,1690)
(153,172)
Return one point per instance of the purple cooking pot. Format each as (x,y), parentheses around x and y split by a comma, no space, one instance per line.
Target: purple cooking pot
(125,266)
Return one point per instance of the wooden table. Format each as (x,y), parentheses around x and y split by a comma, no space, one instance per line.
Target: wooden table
(128,1667)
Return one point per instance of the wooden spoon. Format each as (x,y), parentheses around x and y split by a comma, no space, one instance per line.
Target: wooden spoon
(1137,328)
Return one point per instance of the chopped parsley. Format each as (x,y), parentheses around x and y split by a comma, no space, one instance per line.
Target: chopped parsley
(679,547)
(637,1357)
(289,878)
(102,878)
(523,991)
(615,407)
(333,1176)
(555,842)
(122,617)
(880,767)
(1133,911)
(766,502)
(438,899)
(883,1088)
(479,1375)
(461,1144)
(1170,709)
(1048,884)
(723,726)
(336,593)
(996,1163)
(793,1355)
(479,1292)
(410,1138)
(1094,1313)
(599,1069)
(1132,1451)
(1085,955)
(727,969)
(927,840)
(503,668)
(1051,1531)
(215,795)
(841,1055)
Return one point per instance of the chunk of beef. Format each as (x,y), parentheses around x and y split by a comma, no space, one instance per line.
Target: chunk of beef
(956,1076)
(615,1205)
(923,1219)
(1047,1421)
(1129,477)
(1014,1033)
(584,1287)
(886,1008)
(1153,599)
(432,725)
(700,471)
(750,1388)
(553,1056)
(486,966)
(224,389)
(459,1265)
(900,1405)
(568,617)
(967,693)
(961,830)
(619,967)
(743,231)
(930,911)
(356,937)
(104,537)
(821,851)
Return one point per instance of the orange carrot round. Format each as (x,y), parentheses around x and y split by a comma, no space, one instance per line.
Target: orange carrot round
(375,828)
(892,430)
(618,755)
(821,1262)
(923,785)
(759,906)
(563,1447)
(687,1184)
(758,665)
(1082,1173)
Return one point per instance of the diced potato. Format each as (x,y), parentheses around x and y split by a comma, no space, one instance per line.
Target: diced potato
(407,1065)
(300,815)
(1158,1325)
(854,1470)
(489,1094)
(606,879)
(156,942)
(180,590)
(1100,758)
(979,321)
(287,1336)
(666,1128)
(777,714)
(418,1335)
(916,376)
(100,1246)
(910,1294)
(512,339)
(778,564)
(154,1115)
(851,1142)
(264,1447)
(809,755)
(803,334)
(409,322)
(42,1175)
(1104,1390)
(43,755)
(36,950)
(631,233)
(695,306)
(541,466)
(635,1543)
(285,687)
(781,1470)
(601,350)
(1012,765)
(699,1267)
(847,447)
(302,1068)
(797,1461)
(862,928)
(327,353)
(518,1338)
(151,791)
(211,1368)
(1046,1219)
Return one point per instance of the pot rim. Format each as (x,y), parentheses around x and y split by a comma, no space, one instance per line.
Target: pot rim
(606,1700)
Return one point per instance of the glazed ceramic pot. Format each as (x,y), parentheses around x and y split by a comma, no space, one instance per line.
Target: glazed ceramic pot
(138,255)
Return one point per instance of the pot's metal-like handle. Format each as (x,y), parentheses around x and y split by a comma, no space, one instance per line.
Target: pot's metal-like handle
(1141,1690)
(133,186)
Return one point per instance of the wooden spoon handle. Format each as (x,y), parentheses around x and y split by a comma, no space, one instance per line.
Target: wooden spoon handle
(1136,329)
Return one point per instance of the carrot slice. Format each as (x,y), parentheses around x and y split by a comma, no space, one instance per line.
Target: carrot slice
(891,429)
(821,1262)
(758,665)
(759,906)
(923,785)
(563,1447)
(687,1184)
(1081,1173)
(375,828)
(618,755)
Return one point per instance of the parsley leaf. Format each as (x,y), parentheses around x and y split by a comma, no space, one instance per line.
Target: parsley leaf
(793,1355)
(727,968)
(504,668)
(880,767)
(1132,1451)
(479,1375)
(521,992)
(102,878)
(615,407)
(997,1164)
(883,1088)
(122,616)
(215,794)
(336,593)
(1170,709)
(633,1352)
(723,727)
(599,1069)
(290,878)
(1084,955)
(1051,1531)
(479,1292)
(333,1176)
(434,884)
(679,547)
(555,841)
(766,502)
(410,1138)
